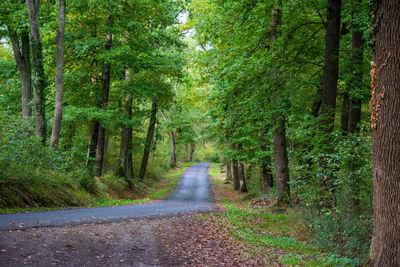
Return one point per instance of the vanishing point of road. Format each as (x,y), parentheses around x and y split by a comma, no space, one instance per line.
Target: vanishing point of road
(192,195)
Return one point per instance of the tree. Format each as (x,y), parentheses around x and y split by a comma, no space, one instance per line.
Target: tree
(55,135)
(385,119)
(149,139)
(40,80)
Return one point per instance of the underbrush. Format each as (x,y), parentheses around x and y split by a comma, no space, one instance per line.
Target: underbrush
(35,177)
(281,235)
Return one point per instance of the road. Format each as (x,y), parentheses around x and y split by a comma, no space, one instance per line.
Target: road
(192,195)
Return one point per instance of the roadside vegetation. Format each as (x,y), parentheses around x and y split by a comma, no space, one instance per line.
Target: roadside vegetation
(282,235)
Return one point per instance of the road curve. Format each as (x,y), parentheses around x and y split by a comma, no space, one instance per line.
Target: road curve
(193,195)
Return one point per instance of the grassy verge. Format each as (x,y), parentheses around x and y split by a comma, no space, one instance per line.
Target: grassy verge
(144,191)
(280,236)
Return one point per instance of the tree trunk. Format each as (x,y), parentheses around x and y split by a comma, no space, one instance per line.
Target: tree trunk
(186,157)
(22,60)
(330,77)
(242,178)
(149,139)
(55,135)
(267,176)
(172,148)
(93,137)
(345,114)
(228,171)
(192,147)
(40,81)
(281,164)
(235,172)
(328,99)
(105,92)
(385,103)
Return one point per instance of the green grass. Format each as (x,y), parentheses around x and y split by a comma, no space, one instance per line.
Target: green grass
(158,189)
(284,233)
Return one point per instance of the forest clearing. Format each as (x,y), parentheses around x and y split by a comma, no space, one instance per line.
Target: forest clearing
(200,133)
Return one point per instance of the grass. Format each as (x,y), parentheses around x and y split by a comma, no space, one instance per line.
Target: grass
(156,190)
(282,237)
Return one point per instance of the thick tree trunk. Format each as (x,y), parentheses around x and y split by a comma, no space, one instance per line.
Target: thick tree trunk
(281,164)
(125,154)
(40,81)
(22,60)
(385,116)
(172,148)
(192,147)
(242,178)
(55,135)
(149,139)
(105,92)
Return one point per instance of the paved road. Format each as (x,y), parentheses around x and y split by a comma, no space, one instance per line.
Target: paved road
(193,195)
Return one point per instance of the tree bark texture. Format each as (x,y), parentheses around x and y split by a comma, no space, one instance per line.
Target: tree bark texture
(22,60)
(55,134)
(242,178)
(105,92)
(385,118)
(331,67)
(149,139)
(281,164)
(39,81)
(172,148)
(267,176)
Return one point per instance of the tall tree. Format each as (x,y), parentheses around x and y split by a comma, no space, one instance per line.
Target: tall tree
(125,167)
(385,118)
(22,60)
(280,150)
(149,139)
(329,93)
(104,101)
(55,134)
(172,148)
(40,81)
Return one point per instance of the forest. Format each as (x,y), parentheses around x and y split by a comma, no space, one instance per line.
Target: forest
(297,103)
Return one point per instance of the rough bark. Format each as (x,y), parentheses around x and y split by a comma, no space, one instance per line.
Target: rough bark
(149,139)
(39,81)
(172,148)
(281,164)
(105,92)
(267,176)
(385,117)
(55,134)
(242,178)
(22,60)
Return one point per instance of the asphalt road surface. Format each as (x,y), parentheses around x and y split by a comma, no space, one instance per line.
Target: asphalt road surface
(193,195)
